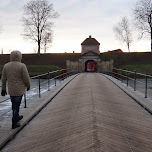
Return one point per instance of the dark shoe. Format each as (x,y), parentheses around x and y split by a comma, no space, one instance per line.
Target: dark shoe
(15,125)
(19,118)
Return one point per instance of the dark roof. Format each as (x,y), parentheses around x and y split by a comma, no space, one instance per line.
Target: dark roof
(90,41)
(118,50)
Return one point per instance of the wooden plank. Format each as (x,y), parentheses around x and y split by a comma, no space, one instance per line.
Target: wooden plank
(89,114)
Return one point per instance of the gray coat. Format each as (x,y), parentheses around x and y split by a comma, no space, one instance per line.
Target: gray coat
(16,75)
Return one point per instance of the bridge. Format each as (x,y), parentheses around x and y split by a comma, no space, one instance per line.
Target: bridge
(87,112)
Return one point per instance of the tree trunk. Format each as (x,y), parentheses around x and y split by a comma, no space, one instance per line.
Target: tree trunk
(38,52)
(128,45)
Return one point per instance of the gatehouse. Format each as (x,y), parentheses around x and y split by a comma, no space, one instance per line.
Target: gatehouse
(90,60)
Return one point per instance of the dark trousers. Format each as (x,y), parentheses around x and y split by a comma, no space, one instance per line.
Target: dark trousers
(16,101)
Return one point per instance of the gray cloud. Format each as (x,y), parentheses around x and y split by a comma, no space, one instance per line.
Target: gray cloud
(78,19)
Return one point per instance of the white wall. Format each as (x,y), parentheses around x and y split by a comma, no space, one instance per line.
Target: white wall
(92,48)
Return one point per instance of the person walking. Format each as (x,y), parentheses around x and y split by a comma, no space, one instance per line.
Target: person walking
(15,75)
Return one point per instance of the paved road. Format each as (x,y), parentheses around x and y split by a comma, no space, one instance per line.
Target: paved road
(90,114)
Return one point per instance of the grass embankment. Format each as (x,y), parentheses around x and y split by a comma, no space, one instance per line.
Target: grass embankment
(37,69)
(140,68)
(40,69)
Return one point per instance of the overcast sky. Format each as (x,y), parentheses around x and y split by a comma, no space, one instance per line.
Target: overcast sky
(78,19)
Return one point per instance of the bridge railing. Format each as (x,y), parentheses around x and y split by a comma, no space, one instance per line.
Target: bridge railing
(46,80)
(138,81)
(54,77)
(49,76)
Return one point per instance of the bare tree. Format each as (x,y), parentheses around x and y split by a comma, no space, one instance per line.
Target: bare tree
(143,18)
(123,33)
(37,19)
(47,41)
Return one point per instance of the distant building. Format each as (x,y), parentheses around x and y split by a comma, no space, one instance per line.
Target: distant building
(117,50)
(90,60)
(90,44)
(90,54)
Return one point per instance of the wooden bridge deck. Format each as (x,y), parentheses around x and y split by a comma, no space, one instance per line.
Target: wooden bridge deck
(90,114)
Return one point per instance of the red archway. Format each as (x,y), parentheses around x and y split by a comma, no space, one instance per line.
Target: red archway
(90,66)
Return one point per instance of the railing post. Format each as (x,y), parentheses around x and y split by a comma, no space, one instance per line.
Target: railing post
(48,81)
(122,77)
(115,73)
(25,101)
(135,80)
(146,87)
(65,73)
(55,81)
(39,87)
(119,74)
(60,76)
(68,72)
(127,79)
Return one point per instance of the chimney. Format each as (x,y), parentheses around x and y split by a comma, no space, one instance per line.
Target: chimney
(89,36)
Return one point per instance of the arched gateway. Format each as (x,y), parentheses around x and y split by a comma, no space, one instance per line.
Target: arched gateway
(90,66)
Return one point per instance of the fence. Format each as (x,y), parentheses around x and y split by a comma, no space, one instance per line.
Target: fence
(138,81)
(45,79)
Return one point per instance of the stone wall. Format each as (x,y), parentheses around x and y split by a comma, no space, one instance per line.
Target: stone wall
(59,59)
(121,59)
(106,66)
(74,65)
(103,66)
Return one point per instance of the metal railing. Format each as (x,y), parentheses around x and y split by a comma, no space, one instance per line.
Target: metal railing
(49,77)
(59,74)
(46,79)
(138,81)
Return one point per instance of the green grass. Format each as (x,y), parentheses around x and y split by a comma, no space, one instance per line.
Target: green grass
(140,68)
(40,69)
(37,69)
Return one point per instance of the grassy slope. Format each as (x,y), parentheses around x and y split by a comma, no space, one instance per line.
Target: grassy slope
(141,68)
(37,69)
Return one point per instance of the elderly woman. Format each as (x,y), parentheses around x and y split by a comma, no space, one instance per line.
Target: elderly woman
(16,75)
